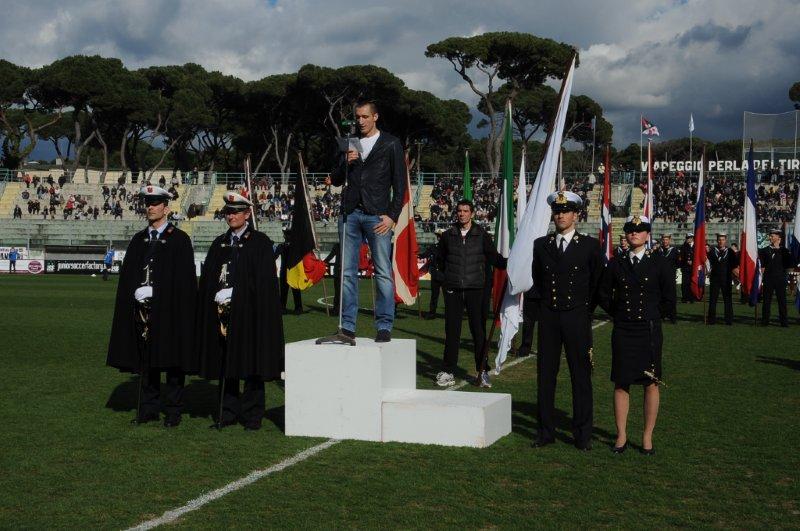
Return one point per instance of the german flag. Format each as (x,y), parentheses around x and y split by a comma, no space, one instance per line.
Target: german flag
(303,268)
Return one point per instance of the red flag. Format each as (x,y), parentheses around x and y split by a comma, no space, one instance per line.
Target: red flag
(698,278)
(404,257)
(605,212)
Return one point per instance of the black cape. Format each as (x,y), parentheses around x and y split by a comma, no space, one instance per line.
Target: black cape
(255,345)
(171,326)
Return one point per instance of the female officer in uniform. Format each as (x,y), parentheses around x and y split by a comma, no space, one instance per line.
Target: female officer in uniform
(636,289)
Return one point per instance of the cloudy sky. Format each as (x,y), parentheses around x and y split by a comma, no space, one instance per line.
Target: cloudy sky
(662,58)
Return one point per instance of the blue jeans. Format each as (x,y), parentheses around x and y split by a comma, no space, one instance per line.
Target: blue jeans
(360,227)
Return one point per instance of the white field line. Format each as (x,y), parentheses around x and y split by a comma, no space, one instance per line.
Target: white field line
(252,477)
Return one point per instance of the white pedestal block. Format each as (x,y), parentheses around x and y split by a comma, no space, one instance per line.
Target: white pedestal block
(451,418)
(368,392)
(336,390)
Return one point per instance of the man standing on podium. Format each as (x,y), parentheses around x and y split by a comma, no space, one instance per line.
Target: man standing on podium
(566,270)
(371,203)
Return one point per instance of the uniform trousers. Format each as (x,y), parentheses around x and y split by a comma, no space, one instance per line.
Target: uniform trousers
(169,395)
(571,329)
(455,302)
(779,288)
(530,314)
(727,297)
(247,406)
(436,286)
(686,285)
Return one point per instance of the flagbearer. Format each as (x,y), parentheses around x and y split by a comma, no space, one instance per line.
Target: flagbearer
(775,260)
(240,327)
(566,270)
(153,327)
(685,259)
(724,263)
(635,290)
(670,254)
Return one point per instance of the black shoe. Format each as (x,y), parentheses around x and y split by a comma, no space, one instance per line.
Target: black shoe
(673,321)
(255,426)
(172,422)
(541,443)
(645,451)
(298,311)
(711,322)
(620,449)
(523,353)
(584,447)
(383,336)
(145,418)
(429,316)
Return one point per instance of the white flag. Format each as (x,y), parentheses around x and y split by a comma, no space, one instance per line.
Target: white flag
(691,123)
(511,309)
(537,214)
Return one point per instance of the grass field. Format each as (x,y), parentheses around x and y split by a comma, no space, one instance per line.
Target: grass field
(727,437)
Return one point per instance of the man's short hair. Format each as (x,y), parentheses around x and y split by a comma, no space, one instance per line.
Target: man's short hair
(466,202)
(371,103)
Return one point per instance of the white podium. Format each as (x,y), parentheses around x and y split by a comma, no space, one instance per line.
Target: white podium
(368,392)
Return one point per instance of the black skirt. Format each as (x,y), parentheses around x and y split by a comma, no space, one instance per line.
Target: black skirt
(635,348)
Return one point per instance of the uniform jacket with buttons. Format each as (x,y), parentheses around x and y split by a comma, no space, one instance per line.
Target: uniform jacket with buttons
(567,281)
(637,293)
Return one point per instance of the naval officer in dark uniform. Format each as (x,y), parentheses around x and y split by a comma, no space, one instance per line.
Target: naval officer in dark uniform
(622,248)
(775,260)
(670,253)
(724,261)
(634,291)
(685,258)
(566,270)
(153,327)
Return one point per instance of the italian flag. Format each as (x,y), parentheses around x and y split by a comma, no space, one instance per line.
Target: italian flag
(504,225)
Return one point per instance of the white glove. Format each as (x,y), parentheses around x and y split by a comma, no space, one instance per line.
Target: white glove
(143,293)
(223,296)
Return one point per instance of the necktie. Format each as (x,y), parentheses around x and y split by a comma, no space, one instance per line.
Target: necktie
(235,240)
(561,247)
(153,235)
(635,261)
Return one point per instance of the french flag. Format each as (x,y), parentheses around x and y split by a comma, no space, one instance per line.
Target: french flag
(698,280)
(605,215)
(749,266)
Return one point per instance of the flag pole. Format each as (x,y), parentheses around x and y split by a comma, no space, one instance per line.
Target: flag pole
(325,295)
(641,144)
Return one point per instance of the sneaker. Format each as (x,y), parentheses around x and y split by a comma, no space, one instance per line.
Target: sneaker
(484,380)
(383,336)
(445,379)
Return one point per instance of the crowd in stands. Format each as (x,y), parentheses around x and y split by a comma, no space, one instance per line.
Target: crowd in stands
(46,198)
(675,196)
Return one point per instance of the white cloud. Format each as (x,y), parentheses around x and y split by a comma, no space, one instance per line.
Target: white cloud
(665,58)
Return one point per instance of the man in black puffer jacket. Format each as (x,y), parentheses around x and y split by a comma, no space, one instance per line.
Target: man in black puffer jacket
(464,251)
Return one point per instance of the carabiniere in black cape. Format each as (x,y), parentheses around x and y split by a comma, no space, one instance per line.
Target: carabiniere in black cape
(171,326)
(636,297)
(255,345)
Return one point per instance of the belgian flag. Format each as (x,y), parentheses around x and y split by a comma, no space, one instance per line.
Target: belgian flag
(303,268)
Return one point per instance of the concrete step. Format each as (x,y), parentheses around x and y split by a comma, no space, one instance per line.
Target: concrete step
(449,418)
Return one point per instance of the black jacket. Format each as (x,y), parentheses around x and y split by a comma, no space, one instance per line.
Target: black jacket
(670,254)
(171,323)
(722,262)
(370,181)
(255,344)
(637,293)
(568,281)
(685,257)
(464,260)
(775,263)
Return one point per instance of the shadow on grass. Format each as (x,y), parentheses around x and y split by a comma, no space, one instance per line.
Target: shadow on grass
(783,362)
(199,397)
(525,423)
